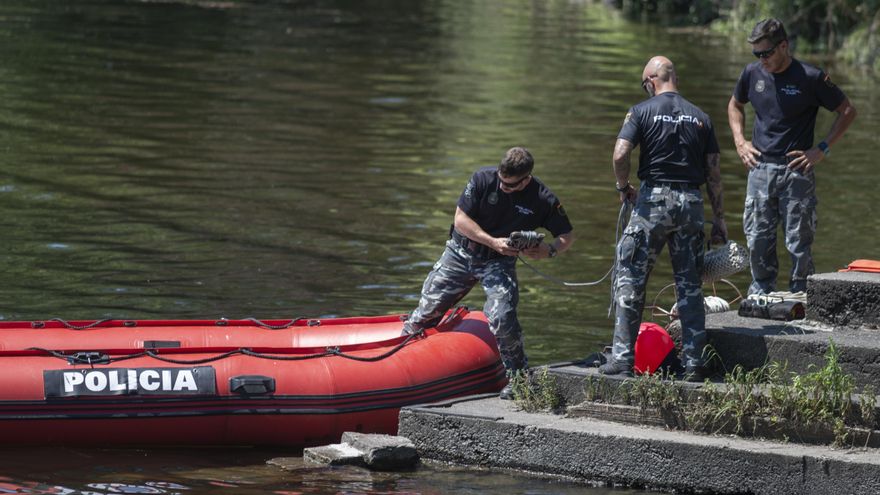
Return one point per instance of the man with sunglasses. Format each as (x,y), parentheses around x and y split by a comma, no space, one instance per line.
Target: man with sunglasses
(679,154)
(496,202)
(786,95)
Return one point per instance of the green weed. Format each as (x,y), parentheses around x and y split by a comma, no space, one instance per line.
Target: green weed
(537,391)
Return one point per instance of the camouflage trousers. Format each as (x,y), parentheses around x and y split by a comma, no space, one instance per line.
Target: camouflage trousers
(453,276)
(662,215)
(776,193)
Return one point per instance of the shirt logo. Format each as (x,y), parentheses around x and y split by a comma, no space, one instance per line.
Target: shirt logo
(760,86)
(790,90)
(523,210)
(469,189)
(628,117)
(678,119)
(493,198)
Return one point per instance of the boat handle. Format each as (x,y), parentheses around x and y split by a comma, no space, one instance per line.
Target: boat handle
(252,384)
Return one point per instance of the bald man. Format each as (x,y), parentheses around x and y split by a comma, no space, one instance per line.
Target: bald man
(679,154)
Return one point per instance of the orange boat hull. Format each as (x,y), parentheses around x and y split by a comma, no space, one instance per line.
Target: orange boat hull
(232,383)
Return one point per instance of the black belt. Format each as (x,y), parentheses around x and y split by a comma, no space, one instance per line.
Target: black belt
(474,248)
(672,185)
(779,160)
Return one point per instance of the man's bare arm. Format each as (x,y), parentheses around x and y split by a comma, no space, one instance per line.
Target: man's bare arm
(715,191)
(621,165)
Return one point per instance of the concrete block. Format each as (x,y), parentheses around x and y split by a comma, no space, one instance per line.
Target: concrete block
(844,299)
(383,452)
(340,454)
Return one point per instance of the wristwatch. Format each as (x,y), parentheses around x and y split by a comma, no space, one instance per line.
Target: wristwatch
(552,253)
(823,146)
(621,189)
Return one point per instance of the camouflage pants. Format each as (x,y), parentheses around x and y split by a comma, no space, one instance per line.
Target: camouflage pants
(776,193)
(662,215)
(453,276)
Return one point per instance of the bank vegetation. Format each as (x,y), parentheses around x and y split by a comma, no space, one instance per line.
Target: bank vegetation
(845,30)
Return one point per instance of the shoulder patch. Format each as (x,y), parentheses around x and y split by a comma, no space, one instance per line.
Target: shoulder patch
(560,209)
(828,81)
(628,117)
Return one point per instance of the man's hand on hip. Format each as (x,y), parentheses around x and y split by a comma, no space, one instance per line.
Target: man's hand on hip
(804,160)
(748,154)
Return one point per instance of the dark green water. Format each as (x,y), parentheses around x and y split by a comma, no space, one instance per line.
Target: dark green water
(204,159)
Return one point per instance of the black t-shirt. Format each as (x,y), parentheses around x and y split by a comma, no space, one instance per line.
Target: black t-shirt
(500,213)
(786,104)
(675,136)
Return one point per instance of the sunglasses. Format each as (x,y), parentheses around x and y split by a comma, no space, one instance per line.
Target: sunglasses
(766,53)
(514,184)
(646,84)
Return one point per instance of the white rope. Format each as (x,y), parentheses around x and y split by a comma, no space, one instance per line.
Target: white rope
(712,305)
(621,219)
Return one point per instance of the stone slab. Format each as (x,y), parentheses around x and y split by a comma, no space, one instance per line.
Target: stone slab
(844,299)
(340,454)
(492,433)
(383,452)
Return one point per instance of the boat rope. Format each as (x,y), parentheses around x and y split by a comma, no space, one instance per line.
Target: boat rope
(71,326)
(267,326)
(92,358)
(622,220)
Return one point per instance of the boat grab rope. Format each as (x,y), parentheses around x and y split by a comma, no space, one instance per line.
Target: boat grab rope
(267,326)
(92,358)
(71,326)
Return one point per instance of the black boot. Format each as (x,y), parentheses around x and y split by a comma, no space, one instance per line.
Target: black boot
(695,374)
(506,392)
(616,369)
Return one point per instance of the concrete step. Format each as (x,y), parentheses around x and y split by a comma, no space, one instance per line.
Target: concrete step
(844,299)
(485,431)
(754,342)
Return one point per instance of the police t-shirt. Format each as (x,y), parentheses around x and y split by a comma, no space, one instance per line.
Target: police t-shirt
(500,213)
(675,136)
(786,104)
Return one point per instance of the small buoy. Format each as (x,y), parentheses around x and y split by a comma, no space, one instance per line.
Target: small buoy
(653,344)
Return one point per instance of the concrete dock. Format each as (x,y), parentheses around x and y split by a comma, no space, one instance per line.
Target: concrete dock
(843,307)
(488,432)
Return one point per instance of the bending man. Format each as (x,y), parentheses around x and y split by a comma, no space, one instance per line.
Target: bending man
(496,202)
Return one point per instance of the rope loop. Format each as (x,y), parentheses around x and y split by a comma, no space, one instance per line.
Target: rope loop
(77,327)
(267,326)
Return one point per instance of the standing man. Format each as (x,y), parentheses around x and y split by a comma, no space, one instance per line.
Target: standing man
(679,153)
(496,202)
(786,95)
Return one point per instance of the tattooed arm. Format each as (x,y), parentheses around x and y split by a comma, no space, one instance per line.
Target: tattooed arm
(621,159)
(715,191)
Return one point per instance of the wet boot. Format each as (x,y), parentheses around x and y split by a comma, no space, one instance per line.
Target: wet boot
(506,392)
(616,369)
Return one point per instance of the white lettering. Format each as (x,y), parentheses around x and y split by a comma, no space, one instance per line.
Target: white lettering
(115,386)
(185,380)
(72,379)
(677,119)
(132,380)
(166,379)
(96,381)
(145,378)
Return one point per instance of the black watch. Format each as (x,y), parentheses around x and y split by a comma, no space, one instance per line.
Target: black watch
(552,253)
(622,189)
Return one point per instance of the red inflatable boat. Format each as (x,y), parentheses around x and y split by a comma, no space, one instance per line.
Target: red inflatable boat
(231,382)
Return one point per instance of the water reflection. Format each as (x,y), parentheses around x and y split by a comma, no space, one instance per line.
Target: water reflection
(202,159)
(244,471)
